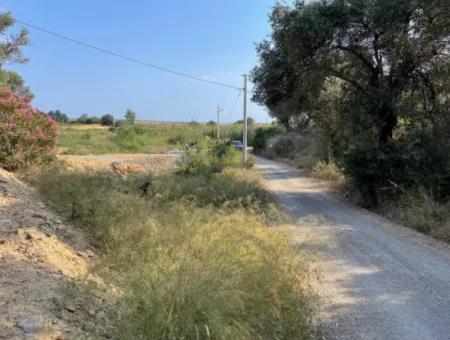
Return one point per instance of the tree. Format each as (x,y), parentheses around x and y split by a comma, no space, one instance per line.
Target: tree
(107,120)
(15,82)
(85,119)
(10,51)
(130,116)
(10,47)
(58,116)
(211,123)
(370,75)
(380,50)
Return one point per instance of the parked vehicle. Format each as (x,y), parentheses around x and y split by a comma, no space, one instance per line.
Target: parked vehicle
(237,145)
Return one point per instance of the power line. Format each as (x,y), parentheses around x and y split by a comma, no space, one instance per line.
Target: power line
(124,57)
(230,111)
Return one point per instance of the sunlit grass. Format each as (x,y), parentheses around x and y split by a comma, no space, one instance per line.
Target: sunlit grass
(145,138)
(196,257)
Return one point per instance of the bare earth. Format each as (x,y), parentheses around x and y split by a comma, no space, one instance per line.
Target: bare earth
(38,255)
(154,163)
(377,280)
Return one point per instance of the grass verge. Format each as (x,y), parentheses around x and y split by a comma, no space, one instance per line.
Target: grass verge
(195,255)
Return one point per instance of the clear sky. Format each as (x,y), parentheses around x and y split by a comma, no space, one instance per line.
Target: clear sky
(207,38)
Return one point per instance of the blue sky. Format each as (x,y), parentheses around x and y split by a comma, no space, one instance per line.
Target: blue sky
(207,38)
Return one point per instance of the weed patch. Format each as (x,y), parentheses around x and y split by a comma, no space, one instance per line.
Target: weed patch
(193,255)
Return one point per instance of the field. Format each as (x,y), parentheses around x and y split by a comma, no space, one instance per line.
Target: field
(141,138)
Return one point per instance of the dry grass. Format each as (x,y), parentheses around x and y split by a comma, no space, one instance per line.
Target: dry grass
(328,171)
(194,257)
(84,127)
(419,210)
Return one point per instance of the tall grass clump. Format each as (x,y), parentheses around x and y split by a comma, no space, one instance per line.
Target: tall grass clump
(193,257)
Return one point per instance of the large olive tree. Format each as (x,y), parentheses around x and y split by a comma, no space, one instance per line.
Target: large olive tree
(363,70)
(381,50)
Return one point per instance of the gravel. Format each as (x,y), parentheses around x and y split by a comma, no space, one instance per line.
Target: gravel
(376,280)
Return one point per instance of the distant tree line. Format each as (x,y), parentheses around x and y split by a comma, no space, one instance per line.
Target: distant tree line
(105,120)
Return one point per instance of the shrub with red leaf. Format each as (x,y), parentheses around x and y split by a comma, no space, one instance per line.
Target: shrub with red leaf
(27,136)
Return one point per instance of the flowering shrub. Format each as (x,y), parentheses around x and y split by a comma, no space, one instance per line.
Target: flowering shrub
(26,135)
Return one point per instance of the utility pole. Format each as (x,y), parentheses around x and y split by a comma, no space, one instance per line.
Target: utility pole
(218,122)
(245,119)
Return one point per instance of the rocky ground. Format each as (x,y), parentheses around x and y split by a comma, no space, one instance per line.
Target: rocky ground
(40,257)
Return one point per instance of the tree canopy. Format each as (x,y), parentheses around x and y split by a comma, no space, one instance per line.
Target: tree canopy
(387,59)
(11,51)
(58,116)
(130,116)
(370,76)
(107,120)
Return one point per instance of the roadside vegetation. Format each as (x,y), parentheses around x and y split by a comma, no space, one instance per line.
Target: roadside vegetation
(363,88)
(193,252)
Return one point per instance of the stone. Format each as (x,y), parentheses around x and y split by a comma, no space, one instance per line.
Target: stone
(31,325)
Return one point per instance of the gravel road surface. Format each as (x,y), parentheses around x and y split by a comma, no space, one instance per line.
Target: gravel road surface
(375,280)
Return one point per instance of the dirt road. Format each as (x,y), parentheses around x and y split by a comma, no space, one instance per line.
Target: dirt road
(377,281)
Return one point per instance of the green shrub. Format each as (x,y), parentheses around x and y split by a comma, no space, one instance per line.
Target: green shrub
(26,135)
(262,136)
(386,171)
(205,158)
(178,139)
(126,137)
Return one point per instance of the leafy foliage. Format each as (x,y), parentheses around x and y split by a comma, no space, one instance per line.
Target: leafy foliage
(10,51)
(107,120)
(15,82)
(263,134)
(130,116)
(27,136)
(386,171)
(367,75)
(10,47)
(202,160)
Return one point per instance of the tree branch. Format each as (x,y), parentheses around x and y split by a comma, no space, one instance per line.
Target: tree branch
(357,54)
(343,77)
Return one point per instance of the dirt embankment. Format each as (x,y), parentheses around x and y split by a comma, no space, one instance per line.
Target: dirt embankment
(39,256)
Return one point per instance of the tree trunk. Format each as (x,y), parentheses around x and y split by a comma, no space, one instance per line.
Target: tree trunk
(389,122)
